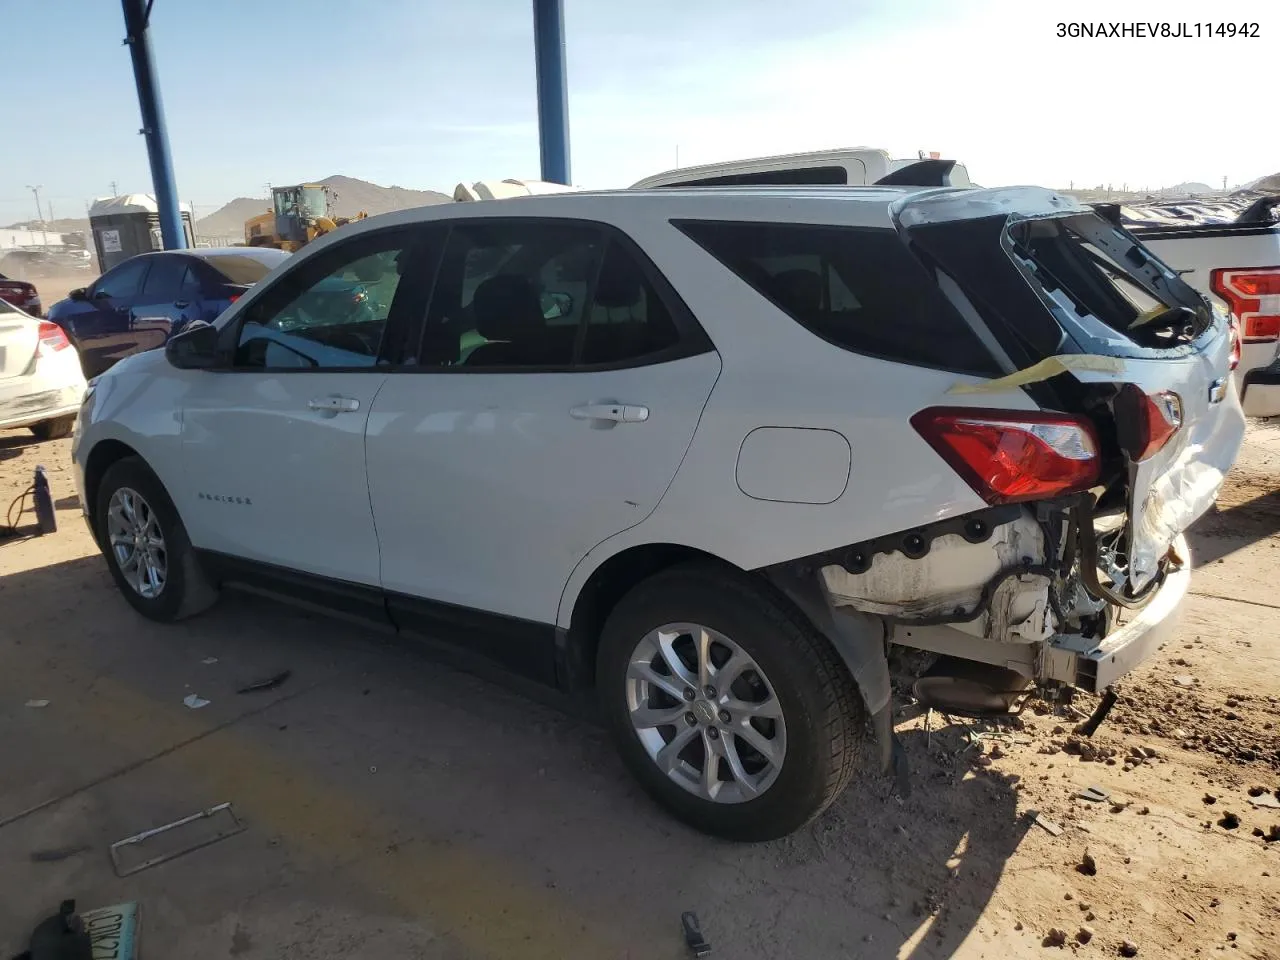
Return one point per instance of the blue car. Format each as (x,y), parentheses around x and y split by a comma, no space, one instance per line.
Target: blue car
(137,305)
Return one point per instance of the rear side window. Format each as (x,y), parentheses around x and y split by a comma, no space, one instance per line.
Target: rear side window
(164,279)
(860,289)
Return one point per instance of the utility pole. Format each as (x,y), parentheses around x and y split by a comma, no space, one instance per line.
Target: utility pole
(35,192)
(114,191)
(1224,181)
(44,227)
(137,15)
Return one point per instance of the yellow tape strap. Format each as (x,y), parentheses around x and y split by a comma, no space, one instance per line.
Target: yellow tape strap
(1044,370)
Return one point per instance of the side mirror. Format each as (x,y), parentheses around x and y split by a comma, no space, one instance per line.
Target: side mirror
(194,348)
(79,293)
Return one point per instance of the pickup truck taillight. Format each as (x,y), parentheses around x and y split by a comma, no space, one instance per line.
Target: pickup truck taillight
(1253,296)
(1013,455)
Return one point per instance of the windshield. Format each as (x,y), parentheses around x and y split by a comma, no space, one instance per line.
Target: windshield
(313,202)
(1101,273)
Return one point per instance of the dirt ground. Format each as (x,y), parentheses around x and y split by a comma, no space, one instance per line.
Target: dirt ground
(397,807)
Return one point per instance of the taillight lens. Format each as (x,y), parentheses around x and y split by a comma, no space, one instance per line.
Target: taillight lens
(1253,294)
(1145,422)
(52,337)
(1012,455)
(234,297)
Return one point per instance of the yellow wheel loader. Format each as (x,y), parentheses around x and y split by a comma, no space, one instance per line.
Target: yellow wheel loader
(299,214)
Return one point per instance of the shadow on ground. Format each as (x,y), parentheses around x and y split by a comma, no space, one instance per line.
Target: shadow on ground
(451,802)
(1222,532)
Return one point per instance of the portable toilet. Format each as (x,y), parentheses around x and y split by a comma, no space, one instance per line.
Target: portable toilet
(128,225)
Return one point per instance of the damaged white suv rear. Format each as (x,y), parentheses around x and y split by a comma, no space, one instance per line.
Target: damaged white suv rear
(709,452)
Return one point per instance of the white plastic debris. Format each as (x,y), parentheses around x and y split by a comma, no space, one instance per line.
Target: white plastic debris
(37,703)
(194,702)
(207,661)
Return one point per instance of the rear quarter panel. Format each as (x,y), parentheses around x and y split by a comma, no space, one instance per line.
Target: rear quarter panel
(777,374)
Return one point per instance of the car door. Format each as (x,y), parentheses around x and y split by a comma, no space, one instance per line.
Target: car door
(273,445)
(101,324)
(496,467)
(156,311)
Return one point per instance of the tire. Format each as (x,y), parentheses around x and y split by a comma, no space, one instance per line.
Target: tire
(800,678)
(55,429)
(184,590)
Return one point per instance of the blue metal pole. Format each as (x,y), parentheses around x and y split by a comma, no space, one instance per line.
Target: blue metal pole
(137,13)
(553,90)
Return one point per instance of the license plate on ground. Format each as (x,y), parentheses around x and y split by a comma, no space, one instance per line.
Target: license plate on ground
(113,931)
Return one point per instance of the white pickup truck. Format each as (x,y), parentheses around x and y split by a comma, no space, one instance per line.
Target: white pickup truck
(1229,251)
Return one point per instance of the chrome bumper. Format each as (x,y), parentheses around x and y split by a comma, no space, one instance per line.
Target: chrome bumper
(1093,665)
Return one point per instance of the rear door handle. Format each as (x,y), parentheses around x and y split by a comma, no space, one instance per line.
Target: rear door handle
(615,412)
(180,304)
(334,404)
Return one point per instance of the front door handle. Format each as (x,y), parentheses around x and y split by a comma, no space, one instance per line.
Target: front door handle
(609,411)
(334,404)
(182,304)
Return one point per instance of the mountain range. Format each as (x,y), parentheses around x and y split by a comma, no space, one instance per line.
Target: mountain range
(350,196)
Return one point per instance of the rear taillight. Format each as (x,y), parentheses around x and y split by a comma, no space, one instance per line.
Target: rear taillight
(234,297)
(1253,295)
(52,338)
(1145,422)
(1011,455)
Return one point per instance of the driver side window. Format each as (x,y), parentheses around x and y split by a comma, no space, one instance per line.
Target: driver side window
(332,312)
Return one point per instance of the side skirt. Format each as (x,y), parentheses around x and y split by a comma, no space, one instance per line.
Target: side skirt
(519,646)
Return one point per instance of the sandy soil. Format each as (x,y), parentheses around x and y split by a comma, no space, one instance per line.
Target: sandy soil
(448,817)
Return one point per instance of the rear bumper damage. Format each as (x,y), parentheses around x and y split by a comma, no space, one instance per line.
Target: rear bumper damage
(1093,665)
(1012,598)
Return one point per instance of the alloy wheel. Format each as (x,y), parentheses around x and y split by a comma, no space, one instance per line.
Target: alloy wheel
(137,542)
(705,713)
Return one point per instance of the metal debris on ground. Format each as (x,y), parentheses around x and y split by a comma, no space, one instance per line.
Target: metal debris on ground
(1093,795)
(209,661)
(268,683)
(221,821)
(194,702)
(1042,821)
(37,703)
(693,934)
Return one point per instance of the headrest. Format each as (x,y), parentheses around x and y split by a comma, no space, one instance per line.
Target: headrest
(619,284)
(507,307)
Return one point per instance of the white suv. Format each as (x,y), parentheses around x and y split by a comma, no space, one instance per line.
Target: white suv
(709,452)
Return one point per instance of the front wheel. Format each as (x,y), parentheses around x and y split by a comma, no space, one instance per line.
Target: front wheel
(146,545)
(730,709)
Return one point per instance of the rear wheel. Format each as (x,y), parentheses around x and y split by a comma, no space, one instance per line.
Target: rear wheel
(730,709)
(54,429)
(146,545)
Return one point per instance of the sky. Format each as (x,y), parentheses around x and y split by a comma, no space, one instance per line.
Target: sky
(428,93)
